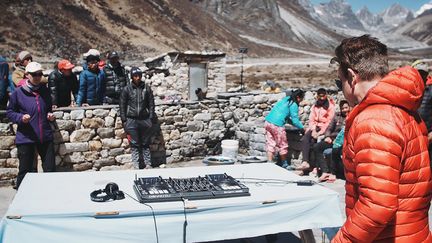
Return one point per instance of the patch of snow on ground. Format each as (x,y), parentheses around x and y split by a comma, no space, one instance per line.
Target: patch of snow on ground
(277,45)
(303,30)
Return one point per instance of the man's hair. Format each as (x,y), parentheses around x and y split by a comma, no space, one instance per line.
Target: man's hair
(321,91)
(365,55)
(342,103)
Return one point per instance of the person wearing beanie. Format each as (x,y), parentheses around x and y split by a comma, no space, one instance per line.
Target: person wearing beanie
(91,83)
(137,112)
(62,82)
(30,108)
(22,59)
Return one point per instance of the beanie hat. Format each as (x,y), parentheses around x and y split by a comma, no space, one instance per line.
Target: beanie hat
(113,54)
(135,71)
(23,55)
(420,65)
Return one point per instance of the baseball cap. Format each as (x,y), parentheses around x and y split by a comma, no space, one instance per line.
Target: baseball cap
(65,64)
(33,67)
(91,52)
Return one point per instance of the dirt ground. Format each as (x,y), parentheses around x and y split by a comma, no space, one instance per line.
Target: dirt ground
(289,73)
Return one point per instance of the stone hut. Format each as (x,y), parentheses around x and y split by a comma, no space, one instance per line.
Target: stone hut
(177,75)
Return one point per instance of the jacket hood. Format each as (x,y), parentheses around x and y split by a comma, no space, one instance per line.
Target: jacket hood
(402,87)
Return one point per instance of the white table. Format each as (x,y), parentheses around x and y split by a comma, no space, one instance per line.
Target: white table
(56,207)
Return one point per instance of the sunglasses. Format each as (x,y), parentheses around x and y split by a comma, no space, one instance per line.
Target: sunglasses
(38,74)
(338,83)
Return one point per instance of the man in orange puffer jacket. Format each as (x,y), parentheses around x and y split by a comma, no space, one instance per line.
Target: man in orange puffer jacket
(385,151)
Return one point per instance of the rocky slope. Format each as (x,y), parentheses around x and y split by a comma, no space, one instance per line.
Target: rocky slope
(141,28)
(420,28)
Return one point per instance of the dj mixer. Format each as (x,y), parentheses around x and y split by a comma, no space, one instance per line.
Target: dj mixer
(158,189)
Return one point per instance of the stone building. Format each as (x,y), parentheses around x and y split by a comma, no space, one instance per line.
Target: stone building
(177,75)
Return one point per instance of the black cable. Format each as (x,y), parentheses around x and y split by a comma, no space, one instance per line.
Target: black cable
(154,217)
(185,220)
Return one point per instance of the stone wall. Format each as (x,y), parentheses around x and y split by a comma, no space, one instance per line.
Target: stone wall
(175,82)
(92,138)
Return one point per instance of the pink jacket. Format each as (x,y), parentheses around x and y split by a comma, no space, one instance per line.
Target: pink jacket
(320,117)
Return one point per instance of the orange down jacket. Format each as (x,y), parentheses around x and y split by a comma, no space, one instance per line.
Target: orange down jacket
(388,175)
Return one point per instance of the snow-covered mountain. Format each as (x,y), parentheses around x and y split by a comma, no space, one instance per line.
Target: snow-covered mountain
(339,14)
(368,19)
(419,28)
(396,15)
(424,8)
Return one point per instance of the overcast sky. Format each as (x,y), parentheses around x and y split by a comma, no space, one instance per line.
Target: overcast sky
(377,6)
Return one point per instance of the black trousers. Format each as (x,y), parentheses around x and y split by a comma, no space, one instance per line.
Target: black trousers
(318,157)
(336,164)
(140,133)
(27,154)
(307,142)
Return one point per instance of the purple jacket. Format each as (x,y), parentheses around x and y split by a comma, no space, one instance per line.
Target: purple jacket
(37,105)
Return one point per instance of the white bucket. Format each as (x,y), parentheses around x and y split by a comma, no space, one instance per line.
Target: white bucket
(230,148)
(229,142)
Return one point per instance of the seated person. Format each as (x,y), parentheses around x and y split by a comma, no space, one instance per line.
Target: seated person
(334,159)
(276,138)
(332,131)
(322,112)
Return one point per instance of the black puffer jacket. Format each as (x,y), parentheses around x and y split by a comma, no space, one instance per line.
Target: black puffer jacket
(425,110)
(137,102)
(116,80)
(61,88)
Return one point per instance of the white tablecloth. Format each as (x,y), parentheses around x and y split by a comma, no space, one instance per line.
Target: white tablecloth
(56,207)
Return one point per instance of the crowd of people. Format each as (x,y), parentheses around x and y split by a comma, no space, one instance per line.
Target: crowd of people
(322,135)
(30,99)
(379,141)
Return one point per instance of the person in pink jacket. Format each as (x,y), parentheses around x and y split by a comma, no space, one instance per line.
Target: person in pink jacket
(322,112)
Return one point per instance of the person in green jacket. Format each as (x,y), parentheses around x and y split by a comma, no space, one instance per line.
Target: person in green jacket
(276,139)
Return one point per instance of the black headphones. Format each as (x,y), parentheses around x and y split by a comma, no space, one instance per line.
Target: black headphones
(111,192)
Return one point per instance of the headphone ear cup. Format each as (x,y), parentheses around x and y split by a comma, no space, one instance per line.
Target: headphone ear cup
(111,188)
(94,196)
(111,191)
(119,195)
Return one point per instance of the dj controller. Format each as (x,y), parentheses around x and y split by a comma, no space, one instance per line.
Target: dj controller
(158,189)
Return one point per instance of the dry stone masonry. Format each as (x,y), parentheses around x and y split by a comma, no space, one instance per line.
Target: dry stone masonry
(92,138)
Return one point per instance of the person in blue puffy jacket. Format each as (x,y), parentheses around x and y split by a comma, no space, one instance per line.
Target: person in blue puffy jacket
(92,83)
(276,138)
